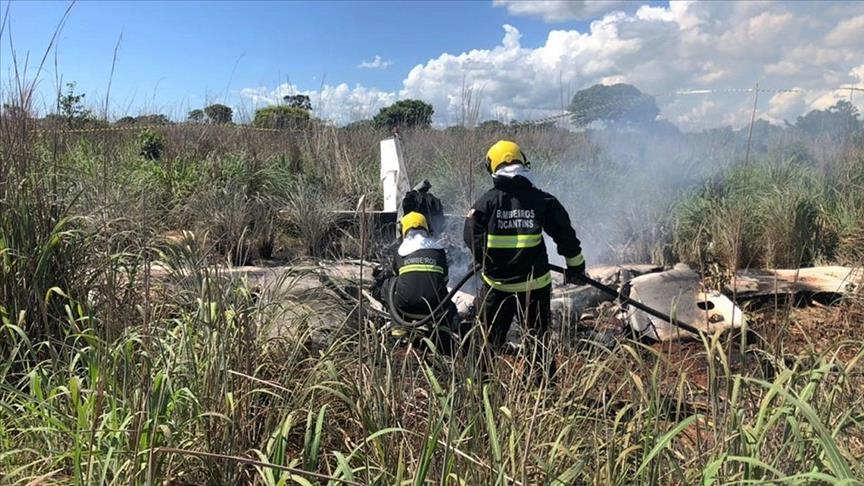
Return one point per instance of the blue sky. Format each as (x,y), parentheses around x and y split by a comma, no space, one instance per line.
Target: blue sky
(521,59)
(181,53)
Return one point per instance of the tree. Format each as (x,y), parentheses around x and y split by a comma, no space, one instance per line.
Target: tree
(616,105)
(491,125)
(144,120)
(156,119)
(195,116)
(219,114)
(761,137)
(298,101)
(281,117)
(72,107)
(360,125)
(405,114)
(841,120)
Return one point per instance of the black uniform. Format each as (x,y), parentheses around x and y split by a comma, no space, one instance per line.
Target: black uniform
(420,287)
(421,280)
(504,229)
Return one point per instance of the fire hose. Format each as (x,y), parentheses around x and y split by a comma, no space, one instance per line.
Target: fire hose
(397,316)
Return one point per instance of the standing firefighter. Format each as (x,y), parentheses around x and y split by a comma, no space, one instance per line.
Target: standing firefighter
(420,283)
(504,229)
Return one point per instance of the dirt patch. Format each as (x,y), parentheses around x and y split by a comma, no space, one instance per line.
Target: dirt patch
(822,330)
(780,335)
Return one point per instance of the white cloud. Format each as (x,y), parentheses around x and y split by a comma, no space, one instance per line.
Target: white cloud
(376,63)
(848,33)
(825,100)
(858,73)
(703,46)
(786,106)
(560,10)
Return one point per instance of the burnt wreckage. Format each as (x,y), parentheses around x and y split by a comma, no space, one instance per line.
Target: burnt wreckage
(655,304)
(645,301)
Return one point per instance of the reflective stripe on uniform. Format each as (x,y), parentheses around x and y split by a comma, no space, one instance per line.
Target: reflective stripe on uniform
(513,241)
(576,260)
(533,284)
(419,267)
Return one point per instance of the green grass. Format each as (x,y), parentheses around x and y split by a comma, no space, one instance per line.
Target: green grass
(205,380)
(781,213)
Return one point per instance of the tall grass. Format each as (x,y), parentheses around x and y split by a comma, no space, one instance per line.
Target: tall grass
(351,413)
(774,213)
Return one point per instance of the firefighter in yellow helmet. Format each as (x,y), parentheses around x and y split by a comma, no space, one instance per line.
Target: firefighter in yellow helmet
(420,285)
(504,229)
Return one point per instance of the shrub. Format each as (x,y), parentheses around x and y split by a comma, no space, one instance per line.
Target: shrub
(281,117)
(152,144)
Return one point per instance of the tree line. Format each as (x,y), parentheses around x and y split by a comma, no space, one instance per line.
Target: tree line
(617,107)
(295,112)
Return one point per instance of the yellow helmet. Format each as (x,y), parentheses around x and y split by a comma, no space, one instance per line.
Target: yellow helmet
(503,152)
(413,220)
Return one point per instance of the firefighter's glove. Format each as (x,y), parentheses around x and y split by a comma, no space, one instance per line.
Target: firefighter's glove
(380,278)
(575,274)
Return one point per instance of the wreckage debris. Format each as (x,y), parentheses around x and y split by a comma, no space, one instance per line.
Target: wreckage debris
(680,294)
(829,280)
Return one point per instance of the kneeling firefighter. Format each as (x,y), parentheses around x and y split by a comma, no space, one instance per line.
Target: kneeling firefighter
(419,284)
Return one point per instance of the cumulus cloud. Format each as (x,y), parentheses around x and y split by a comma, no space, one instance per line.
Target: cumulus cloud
(721,48)
(377,63)
(560,10)
(699,59)
(786,106)
(847,32)
(858,73)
